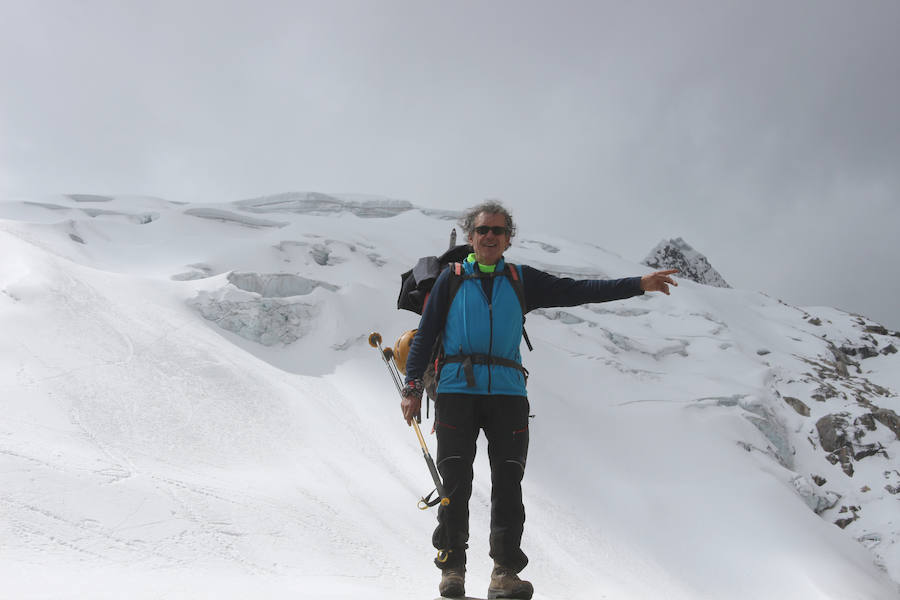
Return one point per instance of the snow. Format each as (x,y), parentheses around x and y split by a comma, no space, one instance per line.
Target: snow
(151,451)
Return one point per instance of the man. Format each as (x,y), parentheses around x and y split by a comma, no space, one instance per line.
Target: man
(481,385)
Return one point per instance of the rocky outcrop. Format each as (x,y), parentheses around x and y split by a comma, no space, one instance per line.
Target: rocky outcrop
(888,418)
(843,438)
(798,405)
(678,254)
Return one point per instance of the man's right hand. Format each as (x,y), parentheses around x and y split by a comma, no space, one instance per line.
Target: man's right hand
(411,405)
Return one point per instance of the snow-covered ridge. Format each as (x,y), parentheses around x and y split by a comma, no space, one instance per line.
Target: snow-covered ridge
(193,398)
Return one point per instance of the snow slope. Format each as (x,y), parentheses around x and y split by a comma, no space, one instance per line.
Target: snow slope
(191,410)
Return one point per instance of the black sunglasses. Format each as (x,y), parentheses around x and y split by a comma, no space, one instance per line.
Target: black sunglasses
(496,230)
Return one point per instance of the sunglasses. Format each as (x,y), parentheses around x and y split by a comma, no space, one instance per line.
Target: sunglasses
(496,230)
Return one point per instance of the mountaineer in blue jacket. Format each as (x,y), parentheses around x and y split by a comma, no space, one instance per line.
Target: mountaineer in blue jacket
(481,385)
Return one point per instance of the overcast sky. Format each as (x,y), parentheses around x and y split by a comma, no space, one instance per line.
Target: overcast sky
(766,134)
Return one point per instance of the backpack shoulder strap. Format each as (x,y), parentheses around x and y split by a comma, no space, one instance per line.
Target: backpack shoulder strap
(517,284)
(455,280)
(519,287)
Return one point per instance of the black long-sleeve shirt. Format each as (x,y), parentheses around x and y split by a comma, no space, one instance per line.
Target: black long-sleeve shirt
(542,290)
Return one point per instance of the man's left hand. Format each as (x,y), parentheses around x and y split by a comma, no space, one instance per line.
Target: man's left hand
(658,281)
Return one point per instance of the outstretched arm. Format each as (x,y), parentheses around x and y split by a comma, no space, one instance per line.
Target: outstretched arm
(543,290)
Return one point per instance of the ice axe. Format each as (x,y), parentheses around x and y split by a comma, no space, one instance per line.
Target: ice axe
(387,355)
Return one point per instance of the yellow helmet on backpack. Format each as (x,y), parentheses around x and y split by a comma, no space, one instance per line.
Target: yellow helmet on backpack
(401,350)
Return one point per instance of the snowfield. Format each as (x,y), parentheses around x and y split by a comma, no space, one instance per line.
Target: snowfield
(191,410)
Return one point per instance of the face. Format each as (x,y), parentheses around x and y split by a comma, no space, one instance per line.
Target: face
(489,247)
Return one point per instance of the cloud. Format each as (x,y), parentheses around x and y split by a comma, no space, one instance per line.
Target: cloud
(724,122)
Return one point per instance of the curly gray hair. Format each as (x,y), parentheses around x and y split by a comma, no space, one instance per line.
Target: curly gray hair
(491,207)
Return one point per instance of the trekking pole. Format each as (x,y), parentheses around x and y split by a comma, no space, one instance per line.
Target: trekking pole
(387,355)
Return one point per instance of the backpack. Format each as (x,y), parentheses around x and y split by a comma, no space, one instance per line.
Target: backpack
(416,285)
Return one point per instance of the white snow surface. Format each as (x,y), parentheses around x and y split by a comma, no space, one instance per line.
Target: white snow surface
(191,410)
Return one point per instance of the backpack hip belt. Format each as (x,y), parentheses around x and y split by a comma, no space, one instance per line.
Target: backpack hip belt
(468,360)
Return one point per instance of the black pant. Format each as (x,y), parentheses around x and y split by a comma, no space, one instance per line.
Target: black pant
(504,419)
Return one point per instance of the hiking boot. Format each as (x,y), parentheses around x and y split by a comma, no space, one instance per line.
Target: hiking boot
(505,583)
(453,582)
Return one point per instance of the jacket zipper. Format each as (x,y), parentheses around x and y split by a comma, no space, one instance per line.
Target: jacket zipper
(490,339)
(490,325)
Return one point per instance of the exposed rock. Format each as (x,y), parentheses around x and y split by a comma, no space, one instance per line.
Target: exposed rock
(889,349)
(832,431)
(889,419)
(815,321)
(893,475)
(841,368)
(678,254)
(853,510)
(763,352)
(867,421)
(867,450)
(843,441)
(842,523)
(844,457)
(820,481)
(868,352)
(879,329)
(842,362)
(824,392)
(797,405)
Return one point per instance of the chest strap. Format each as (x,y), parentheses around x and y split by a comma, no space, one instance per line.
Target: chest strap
(468,360)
